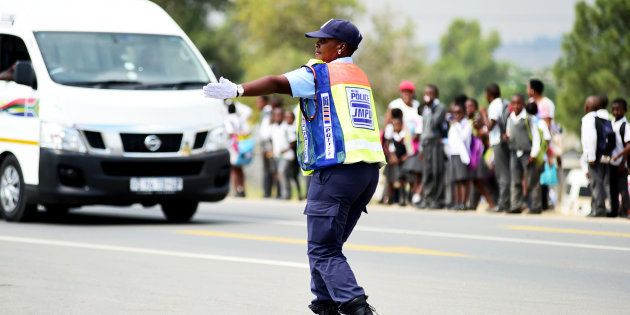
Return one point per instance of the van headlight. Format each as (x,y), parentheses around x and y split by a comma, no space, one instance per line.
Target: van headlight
(216,140)
(59,137)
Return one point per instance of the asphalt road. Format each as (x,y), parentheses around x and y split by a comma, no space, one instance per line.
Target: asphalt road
(249,257)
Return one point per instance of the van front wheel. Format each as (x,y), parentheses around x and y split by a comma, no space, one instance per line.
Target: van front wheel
(12,199)
(179,211)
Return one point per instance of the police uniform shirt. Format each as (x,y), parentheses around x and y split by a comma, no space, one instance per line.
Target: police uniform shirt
(302,82)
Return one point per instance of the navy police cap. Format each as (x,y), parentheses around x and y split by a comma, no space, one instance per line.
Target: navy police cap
(342,30)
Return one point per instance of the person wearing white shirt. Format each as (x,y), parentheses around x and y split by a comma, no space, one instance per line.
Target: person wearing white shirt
(409,107)
(459,137)
(595,106)
(524,143)
(396,151)
(618,166)
(546,108)
(281,138)
(235,127)
(264,138)
(545,113)
(294,174)
(495,118)
(413,123)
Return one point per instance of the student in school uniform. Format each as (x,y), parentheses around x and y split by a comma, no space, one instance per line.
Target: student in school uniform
(480,176)
(395,135)
(459,137)
(283,155)
(618,164)
(294,167)
(598,172)
(524,142)
(412,122)
(495,119)
(433,132)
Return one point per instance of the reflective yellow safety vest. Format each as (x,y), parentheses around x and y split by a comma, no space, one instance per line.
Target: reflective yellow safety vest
(338,126)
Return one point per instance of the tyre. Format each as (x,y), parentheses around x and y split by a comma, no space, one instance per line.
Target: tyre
(57,210)
(179,211)
(12,198)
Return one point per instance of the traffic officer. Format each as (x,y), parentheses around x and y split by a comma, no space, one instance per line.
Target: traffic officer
(339,145)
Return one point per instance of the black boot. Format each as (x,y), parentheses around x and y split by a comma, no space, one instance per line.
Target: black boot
(324,307)
(357,306)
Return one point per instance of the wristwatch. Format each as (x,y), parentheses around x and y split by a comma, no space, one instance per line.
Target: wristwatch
(239,90)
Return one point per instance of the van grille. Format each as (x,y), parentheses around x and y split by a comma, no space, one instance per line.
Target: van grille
(95,139)
(134,142)
(152,169)
(200,139)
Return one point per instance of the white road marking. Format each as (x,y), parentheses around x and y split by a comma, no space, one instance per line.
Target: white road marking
(469,237)
(138,250)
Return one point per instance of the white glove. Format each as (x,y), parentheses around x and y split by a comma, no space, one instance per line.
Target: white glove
(224,89)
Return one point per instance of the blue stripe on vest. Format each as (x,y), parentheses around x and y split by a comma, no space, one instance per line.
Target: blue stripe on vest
(323,136)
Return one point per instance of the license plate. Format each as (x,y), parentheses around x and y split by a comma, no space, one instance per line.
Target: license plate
(156,184)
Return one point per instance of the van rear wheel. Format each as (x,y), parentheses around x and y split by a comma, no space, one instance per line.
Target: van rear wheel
(180,211)
(12,198)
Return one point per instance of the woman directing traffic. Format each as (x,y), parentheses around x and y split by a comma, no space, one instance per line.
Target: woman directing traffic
(339,145)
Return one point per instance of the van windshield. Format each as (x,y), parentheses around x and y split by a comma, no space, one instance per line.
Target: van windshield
(120,61)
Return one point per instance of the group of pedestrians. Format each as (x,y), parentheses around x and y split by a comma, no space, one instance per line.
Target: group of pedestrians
(439,156)
(443,156)
(278,143)
(606,145)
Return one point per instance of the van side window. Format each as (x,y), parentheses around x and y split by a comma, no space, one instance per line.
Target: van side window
(12,50)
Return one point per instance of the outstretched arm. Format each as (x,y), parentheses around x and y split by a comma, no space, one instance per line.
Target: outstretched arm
(263,86)
(267,85)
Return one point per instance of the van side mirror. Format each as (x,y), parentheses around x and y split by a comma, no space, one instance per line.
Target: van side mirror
(24,74)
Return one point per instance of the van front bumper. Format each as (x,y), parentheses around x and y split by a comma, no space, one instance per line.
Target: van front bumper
(76,179)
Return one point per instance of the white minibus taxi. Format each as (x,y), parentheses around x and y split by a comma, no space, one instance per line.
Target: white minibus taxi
(101,103)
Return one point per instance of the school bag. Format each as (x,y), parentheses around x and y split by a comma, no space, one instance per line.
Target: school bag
(540,158)
(605,137)
(476,152)
(245,148)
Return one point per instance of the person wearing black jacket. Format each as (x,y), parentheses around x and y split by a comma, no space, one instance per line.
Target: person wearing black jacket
(434,130)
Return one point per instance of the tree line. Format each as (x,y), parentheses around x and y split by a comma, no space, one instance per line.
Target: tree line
(246,39)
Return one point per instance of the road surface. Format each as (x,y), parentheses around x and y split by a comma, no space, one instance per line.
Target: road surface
(249,257)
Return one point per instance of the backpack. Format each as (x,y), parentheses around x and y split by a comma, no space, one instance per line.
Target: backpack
(605,137)
(476,152)
(540,158)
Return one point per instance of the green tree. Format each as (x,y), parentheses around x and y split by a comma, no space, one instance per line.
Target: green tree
(389,55)
(272,31)
(216,43)
(595,59)
(466,63)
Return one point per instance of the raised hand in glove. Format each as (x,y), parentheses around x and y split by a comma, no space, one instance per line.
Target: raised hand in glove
(224,89)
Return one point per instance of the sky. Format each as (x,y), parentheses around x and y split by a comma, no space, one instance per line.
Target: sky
(516,21)
(519,23)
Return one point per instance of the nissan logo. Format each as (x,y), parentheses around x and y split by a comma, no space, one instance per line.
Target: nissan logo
(152,142)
